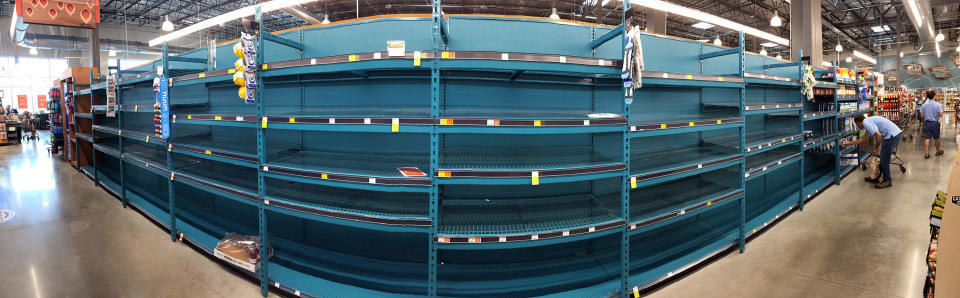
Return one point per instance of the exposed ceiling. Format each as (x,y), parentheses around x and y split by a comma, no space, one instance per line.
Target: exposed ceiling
(860,24)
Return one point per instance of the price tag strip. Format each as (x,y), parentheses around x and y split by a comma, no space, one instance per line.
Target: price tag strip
(479,239)
(820,140)
(699,123)
(770,77)
(214,152)
(532,122)
(418,222)
(204,183)
(528,174)
(772,106)
(688,77)
(394,181)
(685,211)
(818,114)
(772,143)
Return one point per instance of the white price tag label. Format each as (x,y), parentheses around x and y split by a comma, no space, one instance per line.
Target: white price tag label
(376,55)
(313,61)
(563,59)
(366,121)
(504,56)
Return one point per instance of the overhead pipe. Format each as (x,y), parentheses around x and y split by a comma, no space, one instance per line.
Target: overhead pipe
(921,17)
(301,13)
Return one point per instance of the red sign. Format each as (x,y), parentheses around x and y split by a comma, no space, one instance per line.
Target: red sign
(72,13)
(22,102)
(41,102)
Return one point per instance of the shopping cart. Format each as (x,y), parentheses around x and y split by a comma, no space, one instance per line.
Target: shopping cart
(894,159)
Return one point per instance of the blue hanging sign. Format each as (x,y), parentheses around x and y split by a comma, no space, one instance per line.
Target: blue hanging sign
(164,108)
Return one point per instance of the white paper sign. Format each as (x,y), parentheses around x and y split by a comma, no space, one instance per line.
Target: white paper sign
(396,48)
(112,95)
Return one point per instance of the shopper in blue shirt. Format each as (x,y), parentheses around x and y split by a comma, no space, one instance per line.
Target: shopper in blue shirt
(931,111)
(881,129)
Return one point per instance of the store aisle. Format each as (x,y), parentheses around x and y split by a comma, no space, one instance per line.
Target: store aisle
(70,239)
(851,241)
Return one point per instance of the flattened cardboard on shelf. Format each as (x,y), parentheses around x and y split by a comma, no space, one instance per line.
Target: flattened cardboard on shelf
(948,259)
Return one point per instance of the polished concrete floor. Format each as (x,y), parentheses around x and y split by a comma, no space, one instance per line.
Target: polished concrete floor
(851,241)
(70,239)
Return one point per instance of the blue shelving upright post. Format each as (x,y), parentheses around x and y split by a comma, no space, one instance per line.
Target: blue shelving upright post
(165,62)
(625,180)
(801,197)
(262,158)
(123,179)
(743,134)
(435,102)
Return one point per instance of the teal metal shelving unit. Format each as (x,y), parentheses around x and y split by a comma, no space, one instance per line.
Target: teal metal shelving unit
(522,193)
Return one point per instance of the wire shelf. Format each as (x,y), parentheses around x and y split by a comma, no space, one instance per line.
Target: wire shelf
(239,177)
(670,196)
(376,203)
(232,141)
(352,163)
(524,215)
(521,158)
(146,152)
(766,157)
(659,153)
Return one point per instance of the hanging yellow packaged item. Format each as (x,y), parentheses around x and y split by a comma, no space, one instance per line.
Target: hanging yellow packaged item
(238,49)
(242,92)
(238,79)
(238,65)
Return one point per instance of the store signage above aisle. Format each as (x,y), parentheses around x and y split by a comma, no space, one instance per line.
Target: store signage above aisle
(940,72)
(22,102)
(914,69)
(71,13)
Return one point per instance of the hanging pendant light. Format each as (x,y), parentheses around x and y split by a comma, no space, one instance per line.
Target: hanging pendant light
(839,48)
(776,21)
(901,54)
(326,19)
(779,57)
(763,52)
(849,59)
(167,24)
(940,36)
(717,41)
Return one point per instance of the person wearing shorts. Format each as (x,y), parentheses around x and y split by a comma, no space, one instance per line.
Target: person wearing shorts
(886,135)
(931,112)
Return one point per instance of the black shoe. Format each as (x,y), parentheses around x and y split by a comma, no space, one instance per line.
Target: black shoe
(884,184)
(926,156)
(867,179)
(939,152)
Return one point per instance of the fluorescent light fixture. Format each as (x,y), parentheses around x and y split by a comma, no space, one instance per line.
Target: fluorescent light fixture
(826,64)
(717,41)
(864,57)
(709,18)
(877,29)
(33,51)
(839,48)
(553,14)
(226,17)
(912,6)
(776,21)
(886,28)
(849,59)
(702,25)
(768,44)
(167,25)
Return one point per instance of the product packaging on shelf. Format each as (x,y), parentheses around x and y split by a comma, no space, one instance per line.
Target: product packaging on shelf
(241,251)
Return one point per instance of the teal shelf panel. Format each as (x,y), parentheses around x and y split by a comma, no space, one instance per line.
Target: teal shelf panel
(818,115)
(787,201)
(854,113)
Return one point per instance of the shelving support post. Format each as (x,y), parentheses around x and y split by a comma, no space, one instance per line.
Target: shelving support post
(262,158)
(743,132)
(165,62)
(435,102)
(802,197)
(625,179)
(123,176)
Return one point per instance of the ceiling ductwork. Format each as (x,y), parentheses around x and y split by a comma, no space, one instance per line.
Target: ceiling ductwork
(301,13)
(921,16)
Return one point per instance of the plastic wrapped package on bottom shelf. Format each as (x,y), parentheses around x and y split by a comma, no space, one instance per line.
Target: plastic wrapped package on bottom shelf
(241,251)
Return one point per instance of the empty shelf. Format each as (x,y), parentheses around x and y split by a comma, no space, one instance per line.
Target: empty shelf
(226,175)
(659,199)
(521,159)
(644,162)
(351,163)
(390,208)
(501,217)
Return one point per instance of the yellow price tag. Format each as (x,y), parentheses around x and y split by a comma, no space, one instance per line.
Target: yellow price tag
(265,66)
(189,116)
(537,123)
(709,203)
(719,121)
(207,152)
(535,178)
(754,231)
(119,132)
(663,125)
(783,140)
(446,55)
(352,58)
(446,121)
(147,140)
(720,79)
(323,176)
(230,71)
(136,108)
(691,123)
(293,120)
(395,125)
(636,292)
(217,118)
(689,77)
(443,173)
(633,182)
(202,75)
(264,124)
(416,58)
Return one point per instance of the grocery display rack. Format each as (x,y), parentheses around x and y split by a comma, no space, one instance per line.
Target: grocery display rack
(475,163)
